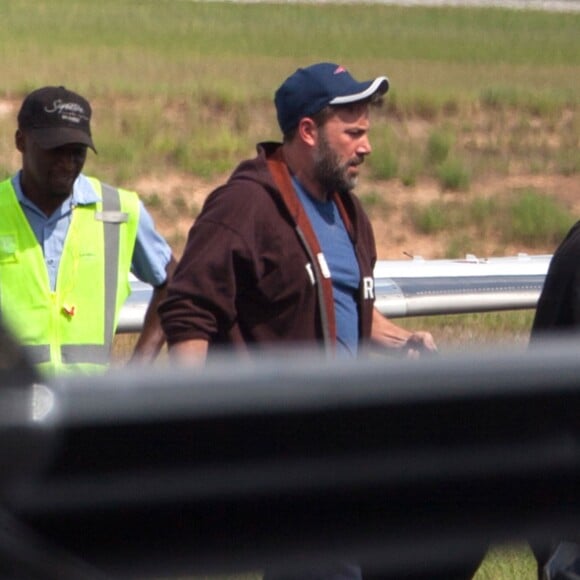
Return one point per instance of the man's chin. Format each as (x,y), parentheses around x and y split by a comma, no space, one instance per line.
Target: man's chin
(351,182)
(62,186)
(347,186)
(352,176)
(59,193)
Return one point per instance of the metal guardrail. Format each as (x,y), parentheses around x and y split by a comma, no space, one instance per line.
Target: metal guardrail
(403,466)
(426,287)
(420,287)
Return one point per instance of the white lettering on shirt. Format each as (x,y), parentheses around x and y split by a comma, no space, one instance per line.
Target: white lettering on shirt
(323,265)
(368,288)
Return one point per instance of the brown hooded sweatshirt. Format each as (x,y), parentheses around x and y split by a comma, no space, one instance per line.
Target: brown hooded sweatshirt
(250,273)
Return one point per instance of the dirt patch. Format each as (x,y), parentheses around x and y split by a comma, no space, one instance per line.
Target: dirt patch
(395,238)
(182,196)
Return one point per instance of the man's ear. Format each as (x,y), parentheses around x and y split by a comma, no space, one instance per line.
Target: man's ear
(19,140)
(308,131)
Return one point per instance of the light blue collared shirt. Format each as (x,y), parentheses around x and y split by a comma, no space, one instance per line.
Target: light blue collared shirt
(150,256)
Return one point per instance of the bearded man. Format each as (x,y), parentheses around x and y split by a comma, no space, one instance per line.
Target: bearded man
(283,253)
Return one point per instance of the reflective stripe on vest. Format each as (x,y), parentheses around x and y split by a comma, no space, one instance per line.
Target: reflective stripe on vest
(70,353)
(37,353)
(111,205)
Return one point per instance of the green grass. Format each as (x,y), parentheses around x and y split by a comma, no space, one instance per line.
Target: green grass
(188,86)
(438,146)
(142,33)
(465,332)
(525,217)
(537,219)
(453,175)
(510,562)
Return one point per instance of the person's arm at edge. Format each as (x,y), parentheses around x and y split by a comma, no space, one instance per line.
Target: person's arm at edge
(152,338)
(189,352)
(387,334)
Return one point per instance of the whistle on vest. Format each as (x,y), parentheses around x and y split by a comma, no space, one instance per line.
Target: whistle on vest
(69,310)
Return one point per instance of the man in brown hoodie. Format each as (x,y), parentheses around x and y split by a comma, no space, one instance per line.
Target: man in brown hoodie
(283,253)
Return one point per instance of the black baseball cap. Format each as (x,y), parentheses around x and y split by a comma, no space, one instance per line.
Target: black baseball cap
(55,116)
(310,89)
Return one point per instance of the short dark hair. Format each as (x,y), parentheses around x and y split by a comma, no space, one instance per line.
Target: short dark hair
(321,117)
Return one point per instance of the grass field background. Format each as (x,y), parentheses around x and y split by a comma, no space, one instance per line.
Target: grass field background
(185,88)
(188,85)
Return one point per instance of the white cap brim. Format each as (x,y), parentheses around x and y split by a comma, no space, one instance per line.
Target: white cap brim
(379,85)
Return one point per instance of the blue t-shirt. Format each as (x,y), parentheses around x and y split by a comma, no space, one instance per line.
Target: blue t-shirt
(338,251)
(150,256)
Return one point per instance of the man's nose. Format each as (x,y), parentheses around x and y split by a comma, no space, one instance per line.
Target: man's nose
(69,158)
(364,147)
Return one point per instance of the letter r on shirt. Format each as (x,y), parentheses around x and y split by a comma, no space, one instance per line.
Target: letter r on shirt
(368,288)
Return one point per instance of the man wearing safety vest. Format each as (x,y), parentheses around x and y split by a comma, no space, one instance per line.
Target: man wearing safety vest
(68,243)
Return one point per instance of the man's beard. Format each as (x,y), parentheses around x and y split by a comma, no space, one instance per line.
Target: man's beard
(329,172)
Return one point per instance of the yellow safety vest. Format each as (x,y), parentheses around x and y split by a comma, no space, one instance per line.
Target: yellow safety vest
(72,328)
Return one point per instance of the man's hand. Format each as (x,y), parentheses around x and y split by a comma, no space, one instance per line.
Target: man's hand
(420,343)
(189,352)
(390,336)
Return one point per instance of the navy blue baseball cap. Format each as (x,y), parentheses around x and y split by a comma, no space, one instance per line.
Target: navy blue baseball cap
(310,89)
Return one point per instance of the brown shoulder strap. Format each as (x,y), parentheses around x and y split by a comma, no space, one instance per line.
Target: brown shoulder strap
(281,176)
